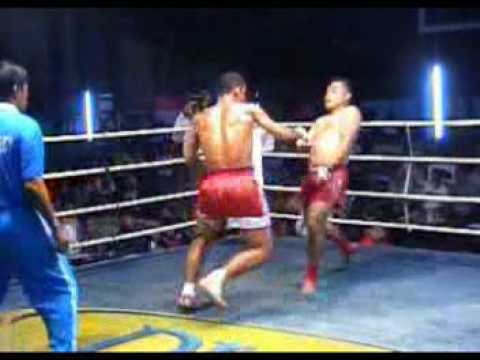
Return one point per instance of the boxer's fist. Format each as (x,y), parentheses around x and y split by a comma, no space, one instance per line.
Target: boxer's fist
(304,140)
(301,143)
(200,155)
(302,132)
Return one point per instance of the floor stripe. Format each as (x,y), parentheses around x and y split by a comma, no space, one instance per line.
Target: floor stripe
(72,287)
(131,330)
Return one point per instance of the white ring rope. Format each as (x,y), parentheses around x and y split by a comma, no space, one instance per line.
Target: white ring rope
(126,204)
(385,158)
(410,123)
(391,225)
(158,131)
(178,161)
(356,222)
(370,194)
(113,134)
(170,130)
(186,194)
(134,234)
(114,168)
(390,195)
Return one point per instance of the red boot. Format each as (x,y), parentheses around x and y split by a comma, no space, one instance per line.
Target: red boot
(366,241)
(310,280)
(347,247)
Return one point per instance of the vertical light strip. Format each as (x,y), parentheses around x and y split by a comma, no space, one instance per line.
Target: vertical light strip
(437,101)
(88,114)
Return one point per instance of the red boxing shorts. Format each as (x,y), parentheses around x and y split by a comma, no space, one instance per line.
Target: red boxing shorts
(230,193)
(326,185)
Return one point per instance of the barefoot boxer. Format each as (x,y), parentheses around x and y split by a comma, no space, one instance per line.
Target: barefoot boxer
(224,133)
(324,187)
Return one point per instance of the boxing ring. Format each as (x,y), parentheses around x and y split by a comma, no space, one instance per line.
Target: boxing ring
(387,299)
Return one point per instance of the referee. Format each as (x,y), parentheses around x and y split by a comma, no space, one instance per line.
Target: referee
(32,242)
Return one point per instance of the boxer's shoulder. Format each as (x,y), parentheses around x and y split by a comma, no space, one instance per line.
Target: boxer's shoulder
(244,111)
(320,121)
(203,115)
(351,111)
(208,111)
(247,108)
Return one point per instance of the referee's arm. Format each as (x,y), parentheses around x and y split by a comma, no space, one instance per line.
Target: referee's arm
(35,190)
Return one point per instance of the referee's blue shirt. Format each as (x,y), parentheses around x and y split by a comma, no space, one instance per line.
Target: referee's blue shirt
(21,154)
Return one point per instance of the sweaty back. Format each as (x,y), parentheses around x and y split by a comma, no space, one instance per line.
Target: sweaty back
(225,134)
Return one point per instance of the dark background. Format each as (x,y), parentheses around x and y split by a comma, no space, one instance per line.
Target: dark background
(288,54)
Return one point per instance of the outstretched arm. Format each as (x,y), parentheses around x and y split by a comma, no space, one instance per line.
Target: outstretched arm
(278,131)
(305,143)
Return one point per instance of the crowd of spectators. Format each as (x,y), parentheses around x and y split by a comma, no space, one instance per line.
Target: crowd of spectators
(88,191)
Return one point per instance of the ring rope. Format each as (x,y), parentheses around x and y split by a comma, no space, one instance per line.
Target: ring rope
(125,204)
(177,161)
(114,168)
(408,175)
(113,134)
(134,234)
(156,230)
(385,158)
(410,123)
(371,194)
(392,225)
(357,222)
(170,130)
(390,195)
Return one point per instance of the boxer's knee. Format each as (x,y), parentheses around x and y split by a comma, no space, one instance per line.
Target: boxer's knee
(261,239)
(316,217)
(197,245)
(267,251)
(332,229)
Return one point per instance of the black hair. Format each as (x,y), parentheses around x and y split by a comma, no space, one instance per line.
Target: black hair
(12,77)
(197,102)
(345,81)
(229,81)
(202,96)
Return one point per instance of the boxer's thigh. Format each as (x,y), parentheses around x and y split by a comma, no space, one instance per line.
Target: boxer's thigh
(208,227)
